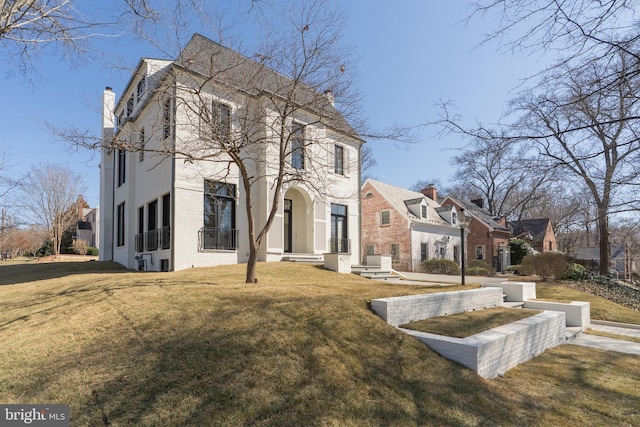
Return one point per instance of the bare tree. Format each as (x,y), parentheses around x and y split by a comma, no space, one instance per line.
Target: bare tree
(604,154)
(49,193)
(501,173)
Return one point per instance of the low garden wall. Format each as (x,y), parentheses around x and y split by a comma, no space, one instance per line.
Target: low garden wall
(516,291)
(400,310)
(493,352)
(578,312)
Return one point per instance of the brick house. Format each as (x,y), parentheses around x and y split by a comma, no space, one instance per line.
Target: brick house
(162,212)
(537,232)
(408,225)
(488,239)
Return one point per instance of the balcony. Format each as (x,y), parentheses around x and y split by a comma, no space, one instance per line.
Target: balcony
(339,245)
(153,239)
(217,239)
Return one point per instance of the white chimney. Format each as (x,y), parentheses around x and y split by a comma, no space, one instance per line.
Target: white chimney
(108,113)
(329,94)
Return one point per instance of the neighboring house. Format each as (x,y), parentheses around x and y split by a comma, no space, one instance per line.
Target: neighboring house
(589,256)
(164,213)
(537,232)
(488,239)
(408,225)
(87,226)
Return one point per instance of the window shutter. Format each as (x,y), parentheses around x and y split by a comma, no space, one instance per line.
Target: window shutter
(346,161)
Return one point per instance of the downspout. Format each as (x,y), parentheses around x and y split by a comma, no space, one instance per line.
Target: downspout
(113,206)
(360,251)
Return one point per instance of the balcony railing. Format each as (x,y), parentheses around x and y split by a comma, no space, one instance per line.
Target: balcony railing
(339,245)
(153,239)
(217,239)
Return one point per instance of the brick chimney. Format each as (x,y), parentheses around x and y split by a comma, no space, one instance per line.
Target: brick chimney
(430,192)
(479,202)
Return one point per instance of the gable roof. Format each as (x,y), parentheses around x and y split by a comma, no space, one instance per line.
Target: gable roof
(593,252)
(211,60)
(401,198)
(480,214)
(537,228)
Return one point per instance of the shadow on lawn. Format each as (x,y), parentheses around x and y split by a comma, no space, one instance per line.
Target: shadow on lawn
(30,272)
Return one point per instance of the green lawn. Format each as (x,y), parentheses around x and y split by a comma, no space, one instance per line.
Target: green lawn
(302,347)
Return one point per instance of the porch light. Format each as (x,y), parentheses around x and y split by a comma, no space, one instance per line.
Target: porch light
(463,223)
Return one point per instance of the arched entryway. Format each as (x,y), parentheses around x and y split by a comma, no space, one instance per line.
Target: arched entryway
(297,221)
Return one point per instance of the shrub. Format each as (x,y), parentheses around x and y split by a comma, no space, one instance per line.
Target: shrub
(515,269)
(575,272)
(440,266)
(81,247)
(477,265)
(547,265)
(519,249)
(477,271)
(93,251)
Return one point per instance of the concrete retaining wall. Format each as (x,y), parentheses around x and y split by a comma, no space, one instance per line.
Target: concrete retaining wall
(400,310)
(578,312)
(493,352)
(516,291)
(339,262)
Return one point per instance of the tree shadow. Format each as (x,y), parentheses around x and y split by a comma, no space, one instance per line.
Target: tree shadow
(31,272)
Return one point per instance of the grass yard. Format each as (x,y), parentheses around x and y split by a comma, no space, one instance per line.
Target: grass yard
(302,347)
(463,325)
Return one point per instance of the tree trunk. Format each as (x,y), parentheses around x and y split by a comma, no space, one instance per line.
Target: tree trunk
(251,264)
(603,230)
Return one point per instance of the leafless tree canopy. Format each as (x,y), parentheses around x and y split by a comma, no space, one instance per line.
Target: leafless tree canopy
(49,195)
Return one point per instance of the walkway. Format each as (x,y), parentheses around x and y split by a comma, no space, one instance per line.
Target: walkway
(611,344)
(408,278)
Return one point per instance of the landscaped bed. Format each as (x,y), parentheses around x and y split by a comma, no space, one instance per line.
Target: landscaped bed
(463,325)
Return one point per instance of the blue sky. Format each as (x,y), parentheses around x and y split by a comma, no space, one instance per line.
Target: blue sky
(413,53)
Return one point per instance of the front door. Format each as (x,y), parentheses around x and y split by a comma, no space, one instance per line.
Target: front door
(288,238)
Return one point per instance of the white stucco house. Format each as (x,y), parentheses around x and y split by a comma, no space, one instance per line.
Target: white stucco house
(171,198)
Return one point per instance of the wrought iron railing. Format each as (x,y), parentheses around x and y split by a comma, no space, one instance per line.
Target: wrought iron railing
(153,239)
(217,239)
(339,245)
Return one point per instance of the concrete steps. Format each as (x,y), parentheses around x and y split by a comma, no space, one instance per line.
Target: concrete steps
(373,272)
(304,258)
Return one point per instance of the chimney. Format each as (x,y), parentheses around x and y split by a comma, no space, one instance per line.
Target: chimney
(430,192)
(479,202)
(108,107)
(329,94)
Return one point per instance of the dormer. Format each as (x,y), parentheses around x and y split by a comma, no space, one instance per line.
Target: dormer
(418,207)
(449,214)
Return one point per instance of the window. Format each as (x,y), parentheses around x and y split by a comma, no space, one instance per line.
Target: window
(151,237)
(395,251)
(339,235)
(220,121)
(297,146)
(371,249)
(130,106)
(165,234)
(219,231)
(167,120)
(121,120)
(423,211)
(122,166)
(424,252)
(142,142)
(442,251)
(385,218)
(141,87)
(480,252)
(120,225)
(550,246)
(454,218)
(139,237)
(338,160)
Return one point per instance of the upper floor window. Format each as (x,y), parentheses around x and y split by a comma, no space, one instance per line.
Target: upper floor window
(130,106)
(141,87)
(220,121)
(297,146)
(423,211)
(122,166)
(385,218)
(167,123)
(121,120)
(338,160)
(141,148)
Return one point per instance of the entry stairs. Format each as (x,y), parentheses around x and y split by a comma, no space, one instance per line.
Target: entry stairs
(373,272)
